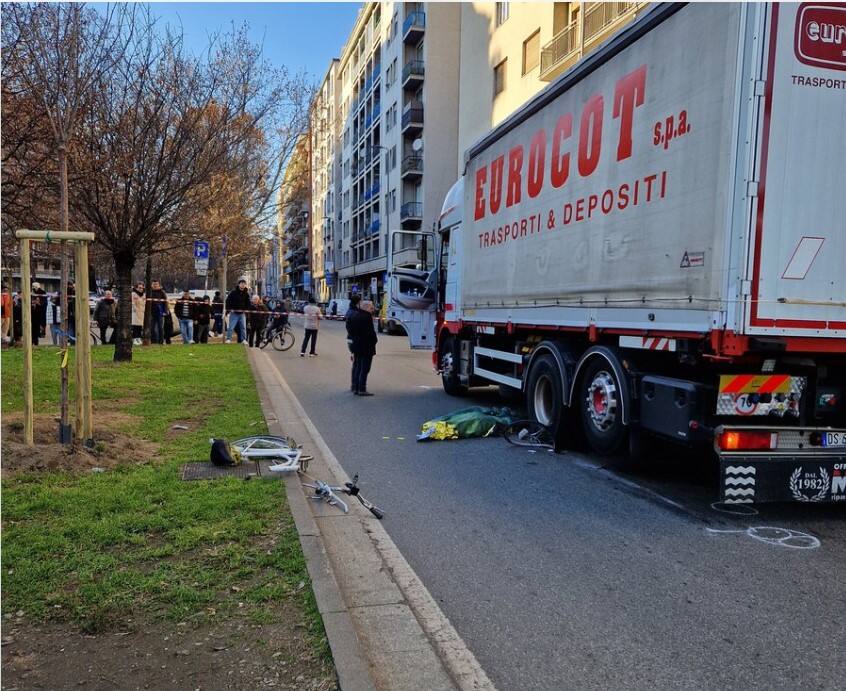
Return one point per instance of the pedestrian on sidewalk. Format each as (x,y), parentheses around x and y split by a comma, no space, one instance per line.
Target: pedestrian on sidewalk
(39,298)
(105,314)
(217,313)
(256,322)
(54,319)
(184,311)
(312,324)
(362,334)
(237,304)
(203,315)
(139,305)
(159,312)
(71,309)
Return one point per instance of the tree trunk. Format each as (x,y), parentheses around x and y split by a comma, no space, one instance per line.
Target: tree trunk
(63,285)
(148,306)
(124,263)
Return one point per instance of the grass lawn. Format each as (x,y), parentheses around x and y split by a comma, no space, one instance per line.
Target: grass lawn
(95,549)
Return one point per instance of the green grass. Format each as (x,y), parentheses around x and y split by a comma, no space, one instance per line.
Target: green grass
(96,548)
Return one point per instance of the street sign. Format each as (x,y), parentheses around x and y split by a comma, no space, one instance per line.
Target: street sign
(201,266)
(374,287)
(201,250)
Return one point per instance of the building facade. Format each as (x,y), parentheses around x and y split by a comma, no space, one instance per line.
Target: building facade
(325,185)
(397,71)
(294,222)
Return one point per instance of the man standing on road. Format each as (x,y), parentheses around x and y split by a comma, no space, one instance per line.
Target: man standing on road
(158,311)
(185,314)
(312,323)
(362,335)
(237,304)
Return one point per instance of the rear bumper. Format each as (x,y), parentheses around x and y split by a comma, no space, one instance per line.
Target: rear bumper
(809,475)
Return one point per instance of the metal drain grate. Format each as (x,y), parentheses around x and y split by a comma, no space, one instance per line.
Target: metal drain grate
(209,471)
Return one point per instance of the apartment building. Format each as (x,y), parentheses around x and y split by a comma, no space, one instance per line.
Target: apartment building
(512,50)
(293,221)
(325,184)
(398,81)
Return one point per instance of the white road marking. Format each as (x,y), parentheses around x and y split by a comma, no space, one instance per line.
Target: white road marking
(778,537)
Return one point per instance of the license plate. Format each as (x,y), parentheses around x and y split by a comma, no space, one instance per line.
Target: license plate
(834,439)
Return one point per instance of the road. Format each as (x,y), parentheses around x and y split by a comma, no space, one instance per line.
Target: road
(562,573)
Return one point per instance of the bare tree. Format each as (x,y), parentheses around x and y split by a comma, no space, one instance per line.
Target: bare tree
(59,52)
(163,125)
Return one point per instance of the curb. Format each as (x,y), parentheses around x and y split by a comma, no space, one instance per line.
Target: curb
(362,578)
(350,666)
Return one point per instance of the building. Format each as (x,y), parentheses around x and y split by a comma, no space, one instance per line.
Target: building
(293,221)
(512,50)
(325,185)
(397,71)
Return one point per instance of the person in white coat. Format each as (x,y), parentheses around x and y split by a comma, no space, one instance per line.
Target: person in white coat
(139,305)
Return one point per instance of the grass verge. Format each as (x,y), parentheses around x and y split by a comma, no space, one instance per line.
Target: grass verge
(97,549)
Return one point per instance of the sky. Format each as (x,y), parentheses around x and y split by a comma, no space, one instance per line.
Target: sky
(299,35)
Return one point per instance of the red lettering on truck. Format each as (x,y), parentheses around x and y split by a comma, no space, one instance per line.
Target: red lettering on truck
(628,93)
(590,135)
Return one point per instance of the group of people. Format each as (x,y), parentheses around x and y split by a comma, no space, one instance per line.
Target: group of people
(45,312)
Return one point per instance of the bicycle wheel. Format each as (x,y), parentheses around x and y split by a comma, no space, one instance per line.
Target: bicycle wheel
(529,433)
(283,340)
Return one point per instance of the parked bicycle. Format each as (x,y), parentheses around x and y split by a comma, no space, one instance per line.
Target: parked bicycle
(95,338)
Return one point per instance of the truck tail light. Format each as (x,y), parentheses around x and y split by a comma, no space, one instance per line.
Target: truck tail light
(738,440)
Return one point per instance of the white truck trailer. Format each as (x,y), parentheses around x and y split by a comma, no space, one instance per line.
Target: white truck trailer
(656,245)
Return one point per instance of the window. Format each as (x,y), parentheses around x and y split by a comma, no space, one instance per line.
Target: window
(346,199)
(502,11)
(392,158)
(531,52)
(499,77)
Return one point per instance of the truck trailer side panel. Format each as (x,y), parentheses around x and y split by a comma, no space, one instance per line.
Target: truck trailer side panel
(615,193)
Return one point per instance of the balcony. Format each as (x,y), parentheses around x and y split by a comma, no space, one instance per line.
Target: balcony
(412,167)
(601,19)
(413,27)
(412,118)
(411,214)
(561,52)
(412,74)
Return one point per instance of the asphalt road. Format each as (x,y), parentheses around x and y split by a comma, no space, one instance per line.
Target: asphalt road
(562,573)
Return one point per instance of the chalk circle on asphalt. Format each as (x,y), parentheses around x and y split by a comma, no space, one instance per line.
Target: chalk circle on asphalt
(779,537)
(734,509)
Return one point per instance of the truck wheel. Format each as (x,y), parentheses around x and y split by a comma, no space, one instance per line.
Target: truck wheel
(449,368)
(601,408)
(544,396)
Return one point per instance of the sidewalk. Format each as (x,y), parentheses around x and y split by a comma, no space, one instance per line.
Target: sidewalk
(384,628)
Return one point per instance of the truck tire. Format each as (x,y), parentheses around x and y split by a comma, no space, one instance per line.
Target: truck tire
(599,399)
(448,361)
(544,394)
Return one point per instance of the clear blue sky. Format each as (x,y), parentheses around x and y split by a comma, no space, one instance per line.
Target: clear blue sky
(299,35)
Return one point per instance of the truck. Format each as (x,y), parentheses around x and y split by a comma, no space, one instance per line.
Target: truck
(655,245)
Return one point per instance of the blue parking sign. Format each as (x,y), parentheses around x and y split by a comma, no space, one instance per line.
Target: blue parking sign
(201,249)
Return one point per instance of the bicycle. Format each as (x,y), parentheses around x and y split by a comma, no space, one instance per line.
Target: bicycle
(327,492)
(529,433)
(95,339)
(282,338)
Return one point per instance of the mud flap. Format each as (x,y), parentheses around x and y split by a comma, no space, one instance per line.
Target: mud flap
(808,478)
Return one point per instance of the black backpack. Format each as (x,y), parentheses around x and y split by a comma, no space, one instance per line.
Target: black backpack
(223,454)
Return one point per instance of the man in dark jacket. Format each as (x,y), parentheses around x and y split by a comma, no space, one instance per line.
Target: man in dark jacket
(237,304)
(202,313)
(184,310)
(362,339)
(158,311)
(105,314)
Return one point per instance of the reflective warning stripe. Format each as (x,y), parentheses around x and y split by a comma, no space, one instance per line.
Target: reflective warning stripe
(754,383)
(648,343)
